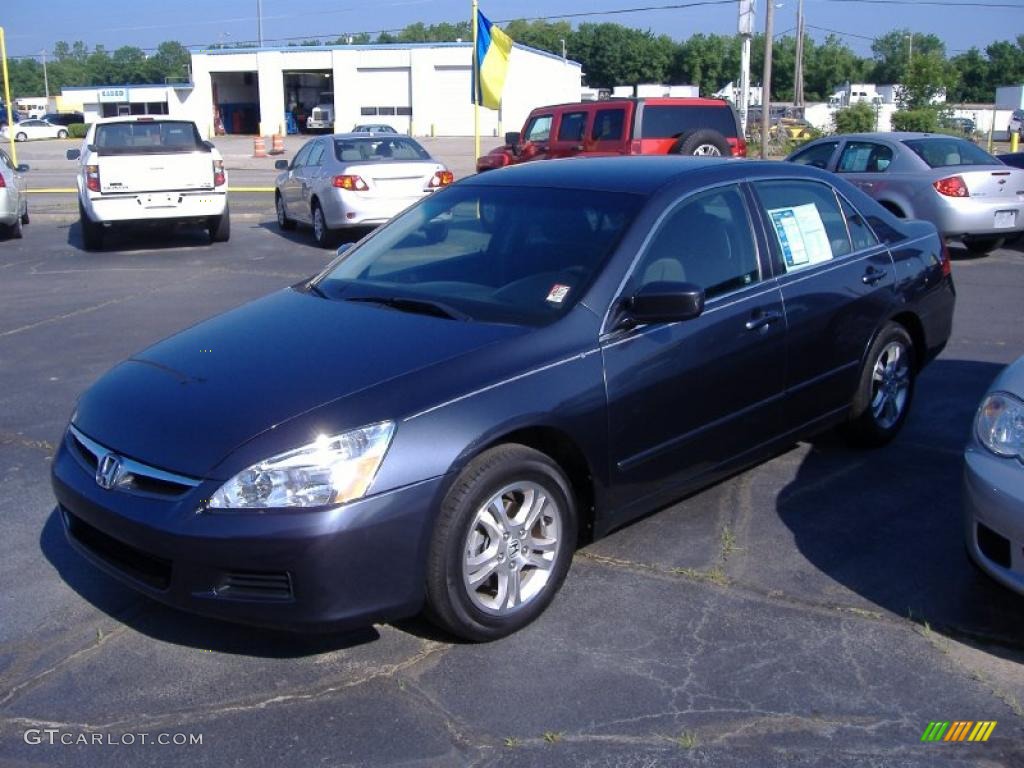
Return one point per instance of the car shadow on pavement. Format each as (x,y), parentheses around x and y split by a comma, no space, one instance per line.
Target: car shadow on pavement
(169,625)
(303,235)
(887,524)
(150,237)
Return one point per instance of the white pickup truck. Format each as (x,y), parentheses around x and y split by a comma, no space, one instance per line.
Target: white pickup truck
(136,169)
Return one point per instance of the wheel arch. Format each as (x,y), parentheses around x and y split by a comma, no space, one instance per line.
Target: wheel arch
(912,325)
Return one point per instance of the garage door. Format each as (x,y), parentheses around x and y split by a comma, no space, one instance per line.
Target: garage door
(453,112)
(384,96)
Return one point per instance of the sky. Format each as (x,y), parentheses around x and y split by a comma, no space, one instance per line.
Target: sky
(146,23)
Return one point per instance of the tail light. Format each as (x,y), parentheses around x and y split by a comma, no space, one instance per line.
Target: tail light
(635,148)
(218,173)
(92,177)
(739,147)
(442,179)
(2,182)
(952,186)
(947,264)
(351,183)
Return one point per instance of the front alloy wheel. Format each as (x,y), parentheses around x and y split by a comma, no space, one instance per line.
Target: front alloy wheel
(502,543)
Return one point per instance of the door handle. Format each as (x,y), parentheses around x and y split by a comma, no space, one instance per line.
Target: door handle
(762,319)
(872,276)
(543,148)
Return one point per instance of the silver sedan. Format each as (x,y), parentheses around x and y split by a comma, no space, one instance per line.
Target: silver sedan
(963,190)
(13,201)
(354,180)
(994,481)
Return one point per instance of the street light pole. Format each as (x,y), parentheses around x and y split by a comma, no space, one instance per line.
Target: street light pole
(259,21)
(746,29)
(766,83)
(46,81)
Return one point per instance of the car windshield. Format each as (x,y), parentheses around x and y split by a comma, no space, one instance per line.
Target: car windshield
(514,255)
(156,136)
(375,148)
(945,152)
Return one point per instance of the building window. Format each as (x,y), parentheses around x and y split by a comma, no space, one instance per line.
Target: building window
(405,111)
(368,111)
(385,110)
(156,108)
(138,109)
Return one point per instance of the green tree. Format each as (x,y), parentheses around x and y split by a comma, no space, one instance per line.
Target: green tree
(615,55)
(857,118)
(893,50)
(543,35)
(707,61)
(928,76)
(828,66)
(169,63)
(128,65)
(975,76)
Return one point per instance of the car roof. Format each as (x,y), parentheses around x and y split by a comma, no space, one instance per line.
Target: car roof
(367,134)
(637,174)
(690,101)
(141,119)
(894,135)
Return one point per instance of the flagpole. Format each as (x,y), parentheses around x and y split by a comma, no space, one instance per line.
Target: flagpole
(476,89)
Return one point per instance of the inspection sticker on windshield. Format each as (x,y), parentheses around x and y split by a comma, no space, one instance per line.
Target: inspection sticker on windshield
(558,293)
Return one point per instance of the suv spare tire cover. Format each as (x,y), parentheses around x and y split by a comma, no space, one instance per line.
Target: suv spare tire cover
(691,142)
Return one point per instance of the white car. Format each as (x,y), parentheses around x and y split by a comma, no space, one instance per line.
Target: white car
(34,129)
(144,169)
(13,201)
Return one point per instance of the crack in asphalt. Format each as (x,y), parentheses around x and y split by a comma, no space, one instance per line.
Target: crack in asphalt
(143,721)
(16,438)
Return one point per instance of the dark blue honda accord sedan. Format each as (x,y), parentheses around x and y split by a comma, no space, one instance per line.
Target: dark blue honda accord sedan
(527,359)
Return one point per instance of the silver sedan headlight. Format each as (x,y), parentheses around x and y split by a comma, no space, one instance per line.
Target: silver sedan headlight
(330,470)
(1000,424)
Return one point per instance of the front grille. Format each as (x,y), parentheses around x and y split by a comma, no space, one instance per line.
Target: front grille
(141,566)
(136,476)
(256,585)
(993,546)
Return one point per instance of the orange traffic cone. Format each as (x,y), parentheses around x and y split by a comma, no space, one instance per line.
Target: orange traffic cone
(259,147)
(278,146)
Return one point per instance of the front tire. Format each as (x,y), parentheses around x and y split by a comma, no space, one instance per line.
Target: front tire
(283,222)
(502,544)
(886,389)
(21,137)
(219,227)
(62,134)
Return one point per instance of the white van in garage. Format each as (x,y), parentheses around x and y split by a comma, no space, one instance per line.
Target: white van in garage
(135,169)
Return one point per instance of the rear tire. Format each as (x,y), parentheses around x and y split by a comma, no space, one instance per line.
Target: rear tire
(92,233)
(21,137)
(14,231)
(24,216)
(283,222)
(704,143)
(220,227)
(508,523)
(886,389)
(980,246)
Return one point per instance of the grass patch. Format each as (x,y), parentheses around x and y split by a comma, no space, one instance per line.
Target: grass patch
(512,742)
(553,737)
(685,740)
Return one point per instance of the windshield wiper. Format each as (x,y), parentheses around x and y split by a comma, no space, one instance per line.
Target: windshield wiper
(416,306)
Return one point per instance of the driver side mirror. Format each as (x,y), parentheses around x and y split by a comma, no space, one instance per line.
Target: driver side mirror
(666,302)
(512,139)
(73,154)
(22,168)
(281,165)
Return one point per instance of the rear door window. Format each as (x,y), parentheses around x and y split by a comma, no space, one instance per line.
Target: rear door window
(572,126)
(860,232)
(805,217)
(864,157)
(668,121)
(608,125)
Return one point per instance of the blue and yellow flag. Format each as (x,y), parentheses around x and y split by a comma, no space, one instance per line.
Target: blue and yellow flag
(493,48)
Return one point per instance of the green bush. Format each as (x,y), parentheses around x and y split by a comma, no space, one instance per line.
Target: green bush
(77,130)
(925,120)
(858,118)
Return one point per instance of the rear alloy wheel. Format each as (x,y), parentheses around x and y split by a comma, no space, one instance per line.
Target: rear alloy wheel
(321,232)
(21,137)
(282,215)
(886,389)
(62,134)
(979,246)
(219,227)
(502,544)
(702,143)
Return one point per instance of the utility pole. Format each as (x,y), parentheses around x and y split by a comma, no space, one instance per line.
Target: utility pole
(746,30)
(259,21)
(766,84)
(46,81)
(798,74)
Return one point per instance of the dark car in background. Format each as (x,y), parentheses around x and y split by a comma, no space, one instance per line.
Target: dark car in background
(645,126)
(437,421)
(64,118)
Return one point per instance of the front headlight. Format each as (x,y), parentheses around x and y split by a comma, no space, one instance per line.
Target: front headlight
(331,470)
(1000,424)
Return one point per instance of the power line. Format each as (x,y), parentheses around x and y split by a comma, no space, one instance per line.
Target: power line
(950,3)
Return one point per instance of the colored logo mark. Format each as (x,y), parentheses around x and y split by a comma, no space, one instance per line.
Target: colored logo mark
(958,730)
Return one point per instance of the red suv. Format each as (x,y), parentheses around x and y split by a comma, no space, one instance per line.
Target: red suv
(651,126)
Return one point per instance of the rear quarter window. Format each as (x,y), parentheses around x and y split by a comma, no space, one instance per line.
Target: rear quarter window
(669,121)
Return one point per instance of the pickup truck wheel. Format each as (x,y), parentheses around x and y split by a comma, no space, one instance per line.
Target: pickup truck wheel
(220,227)
(502,543)
(703,142)
(321,232)
(886,388)
(92,233)
(62,134)
(282,215)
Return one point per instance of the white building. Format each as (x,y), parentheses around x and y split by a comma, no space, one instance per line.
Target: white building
(423,89)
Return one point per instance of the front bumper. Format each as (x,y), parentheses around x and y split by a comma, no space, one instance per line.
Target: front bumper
(343,208)
(153,206)
(994,515)
(323,570)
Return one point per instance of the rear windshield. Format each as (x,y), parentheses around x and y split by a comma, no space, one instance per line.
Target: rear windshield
(944,152)
(378,148)
(670,121)
(155,137)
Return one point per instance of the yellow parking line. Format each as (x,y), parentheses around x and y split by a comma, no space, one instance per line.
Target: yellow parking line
(72,190)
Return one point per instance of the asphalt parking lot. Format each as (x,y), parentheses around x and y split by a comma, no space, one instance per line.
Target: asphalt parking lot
(816,610)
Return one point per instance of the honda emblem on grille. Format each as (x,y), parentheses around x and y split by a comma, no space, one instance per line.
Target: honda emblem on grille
(108,471)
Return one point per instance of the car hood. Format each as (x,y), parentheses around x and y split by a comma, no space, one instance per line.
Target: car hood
(188,401)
